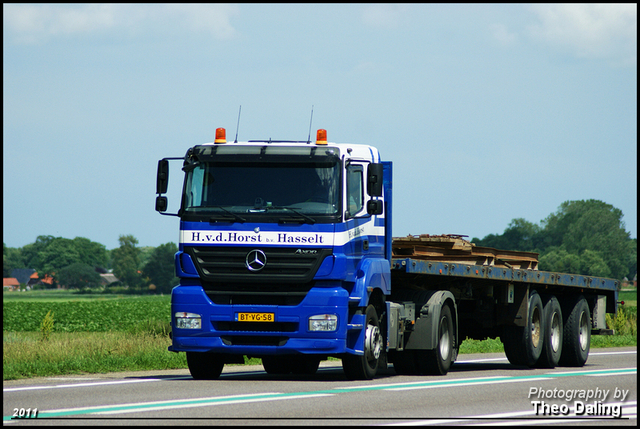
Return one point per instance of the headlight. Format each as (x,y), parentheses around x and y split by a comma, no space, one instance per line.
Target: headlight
(188,320)
(323,322)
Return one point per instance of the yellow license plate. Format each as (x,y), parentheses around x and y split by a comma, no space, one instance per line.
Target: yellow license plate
(255,317)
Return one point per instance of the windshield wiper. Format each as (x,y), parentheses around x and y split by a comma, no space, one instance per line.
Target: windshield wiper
(303,216)
(224,218)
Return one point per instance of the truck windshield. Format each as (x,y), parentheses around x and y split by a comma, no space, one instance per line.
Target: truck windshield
(263,192)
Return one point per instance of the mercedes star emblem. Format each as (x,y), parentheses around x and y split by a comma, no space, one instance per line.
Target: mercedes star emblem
(256,260)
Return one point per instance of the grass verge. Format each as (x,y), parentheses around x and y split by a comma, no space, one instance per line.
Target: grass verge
(26,355)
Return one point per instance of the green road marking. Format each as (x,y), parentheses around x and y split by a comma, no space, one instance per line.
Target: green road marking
(189,403)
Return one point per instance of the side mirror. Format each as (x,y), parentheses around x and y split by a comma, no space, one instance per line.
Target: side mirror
(374,180)
(161,204)
(163,177)
(374,207)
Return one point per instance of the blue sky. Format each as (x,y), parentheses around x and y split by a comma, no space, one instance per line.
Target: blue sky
(489,112)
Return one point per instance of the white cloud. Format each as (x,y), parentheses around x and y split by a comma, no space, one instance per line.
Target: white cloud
(28,23)
(384,15)
(211,18)
(502,34)
(589,30)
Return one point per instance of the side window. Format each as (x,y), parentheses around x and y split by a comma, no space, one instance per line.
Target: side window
(355,187)
(194,187)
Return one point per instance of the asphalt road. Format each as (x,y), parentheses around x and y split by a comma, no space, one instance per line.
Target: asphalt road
(481,389)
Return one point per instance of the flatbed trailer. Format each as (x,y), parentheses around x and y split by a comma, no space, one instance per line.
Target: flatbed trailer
(492,298)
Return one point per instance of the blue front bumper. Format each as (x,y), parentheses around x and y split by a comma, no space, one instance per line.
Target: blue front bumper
(222,333)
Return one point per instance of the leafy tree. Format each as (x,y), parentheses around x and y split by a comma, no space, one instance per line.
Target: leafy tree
(592,225)
(144,256)
(79,276)
(125,260)
(560,260)
(58,254)
(633,264)
(160,268)
(581,237)
(592,263)
(32,253)
(91,253)
(520,235)
(48,254)
(11,259)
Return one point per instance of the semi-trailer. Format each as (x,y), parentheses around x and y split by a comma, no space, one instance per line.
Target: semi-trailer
(286,253)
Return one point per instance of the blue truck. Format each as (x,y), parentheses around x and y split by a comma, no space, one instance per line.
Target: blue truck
(286,254)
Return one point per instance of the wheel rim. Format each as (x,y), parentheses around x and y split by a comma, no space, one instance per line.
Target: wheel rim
(535,327)
(555,332)
(373,343)
(445,341)
(584,331)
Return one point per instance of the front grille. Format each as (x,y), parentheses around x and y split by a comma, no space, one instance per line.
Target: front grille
(283,264)
(256,293)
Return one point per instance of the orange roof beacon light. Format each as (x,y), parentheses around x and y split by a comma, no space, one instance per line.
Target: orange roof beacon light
(221,135)
(321,137)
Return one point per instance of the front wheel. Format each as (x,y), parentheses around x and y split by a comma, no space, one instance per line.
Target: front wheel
(365,366)
(205,366)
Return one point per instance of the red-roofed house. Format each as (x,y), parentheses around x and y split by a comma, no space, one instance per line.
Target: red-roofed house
(10,283)
(46,280)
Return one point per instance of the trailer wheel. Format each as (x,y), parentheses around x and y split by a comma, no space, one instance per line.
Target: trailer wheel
(577,333)
(205,366)
(553,333)
(365,366)
(523,345)
(438,361)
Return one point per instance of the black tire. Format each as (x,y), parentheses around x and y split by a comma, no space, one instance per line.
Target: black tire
(404,362)
(553,334)
(277,365)
(523,345)
(577,332)
(305,365)
(438,361)
(365,366)
(205,366)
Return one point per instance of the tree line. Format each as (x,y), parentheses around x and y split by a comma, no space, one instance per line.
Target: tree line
(581,237)
(77,263)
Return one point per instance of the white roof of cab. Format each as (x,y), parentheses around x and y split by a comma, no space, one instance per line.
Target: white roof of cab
(349,151)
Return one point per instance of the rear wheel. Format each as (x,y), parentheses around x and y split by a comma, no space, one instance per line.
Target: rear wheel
(523,345)
(404,362)
(365,366)
(205,366)
(438,361)
(577,332)
(553,333)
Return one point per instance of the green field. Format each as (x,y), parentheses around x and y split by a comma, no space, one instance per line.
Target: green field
(85,314)
(97,333)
